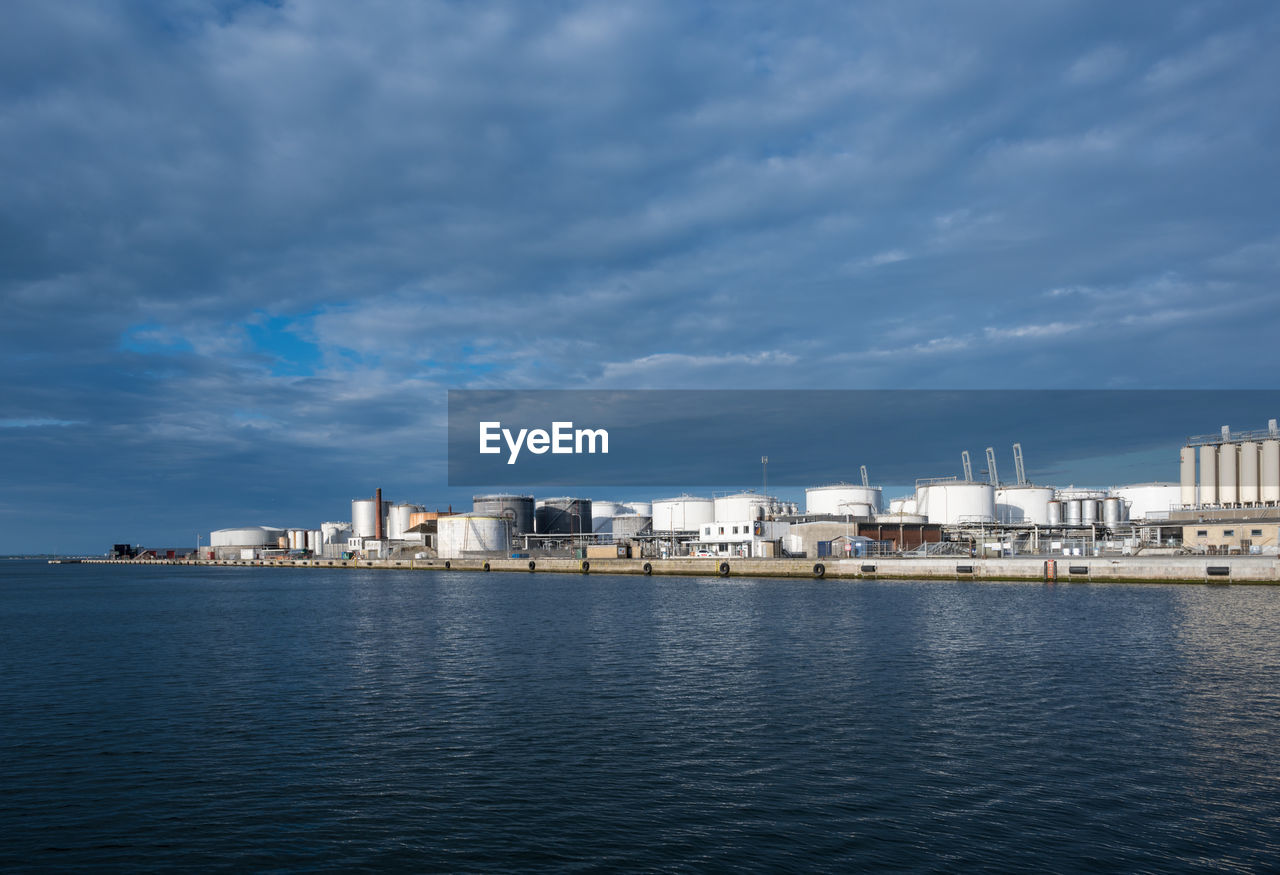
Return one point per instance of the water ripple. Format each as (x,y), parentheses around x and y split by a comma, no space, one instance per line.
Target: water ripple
(162,718)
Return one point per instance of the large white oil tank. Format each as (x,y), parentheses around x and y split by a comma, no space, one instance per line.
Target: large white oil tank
(603,512)
(1027,505)
(1269,472)
(1187,476)
(334,533)
(364,517)
(843,499)
(1250,491)
(685,513)
(1209,474)
(398,523)
(245,536)
(470,534)
(315,540)
(901,518)
(641,508)
(1149,500)
(517,508)
(955,502)
(1054,513)
(1228,475)
(742,506)
(906,504)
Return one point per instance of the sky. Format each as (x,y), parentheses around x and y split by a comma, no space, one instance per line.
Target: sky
(247,248)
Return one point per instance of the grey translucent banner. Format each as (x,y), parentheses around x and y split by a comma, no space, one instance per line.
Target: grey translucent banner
(718,437)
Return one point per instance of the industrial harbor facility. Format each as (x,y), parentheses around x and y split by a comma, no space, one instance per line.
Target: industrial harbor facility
(1226,501)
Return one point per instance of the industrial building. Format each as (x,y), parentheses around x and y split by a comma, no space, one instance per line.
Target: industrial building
(1226,500)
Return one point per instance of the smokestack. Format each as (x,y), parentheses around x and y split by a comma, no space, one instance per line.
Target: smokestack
(377,510)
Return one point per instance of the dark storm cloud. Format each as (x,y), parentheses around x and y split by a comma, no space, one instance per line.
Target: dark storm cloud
(242,238)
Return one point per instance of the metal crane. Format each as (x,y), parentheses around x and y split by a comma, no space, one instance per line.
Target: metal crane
(991,466)
(865,481)
(1019,469)
(968,468)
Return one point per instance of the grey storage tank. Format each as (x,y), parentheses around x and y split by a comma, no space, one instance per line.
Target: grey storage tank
(519,509)
(1053,513)
(628,525)
(562,516)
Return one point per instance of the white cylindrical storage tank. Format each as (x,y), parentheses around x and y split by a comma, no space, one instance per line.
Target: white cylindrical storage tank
(957,502)
(1228,475)
(841,499)
(1074,511)
(906,504)
(901,518)
(315,541)
(398,520)
(334,533)
(364,517)
(244,536)
(1088,511)
(641,508)
(602,514)
(742,506)
(1208,474)
(683,514)
(628,525)
(1269,472)
(1149,500)
(470,534)
(1113,511)
(1053,513)
(517,508)
(1250,492)
(1028,505)
(562,516)
(1187,476)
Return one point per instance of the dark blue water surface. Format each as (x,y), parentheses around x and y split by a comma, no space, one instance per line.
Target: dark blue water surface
(169,717)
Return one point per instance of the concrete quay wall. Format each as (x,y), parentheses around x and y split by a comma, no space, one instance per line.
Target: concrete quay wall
(1170,569)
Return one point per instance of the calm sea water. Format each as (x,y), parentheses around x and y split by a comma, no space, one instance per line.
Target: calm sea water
(162,718)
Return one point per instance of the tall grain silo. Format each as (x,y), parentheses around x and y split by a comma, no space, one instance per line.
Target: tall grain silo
(1250,484)
(1228,475)
(1208,474)
(1187,475)
(1269,473)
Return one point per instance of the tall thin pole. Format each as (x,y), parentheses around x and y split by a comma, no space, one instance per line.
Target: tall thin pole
(764,461)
